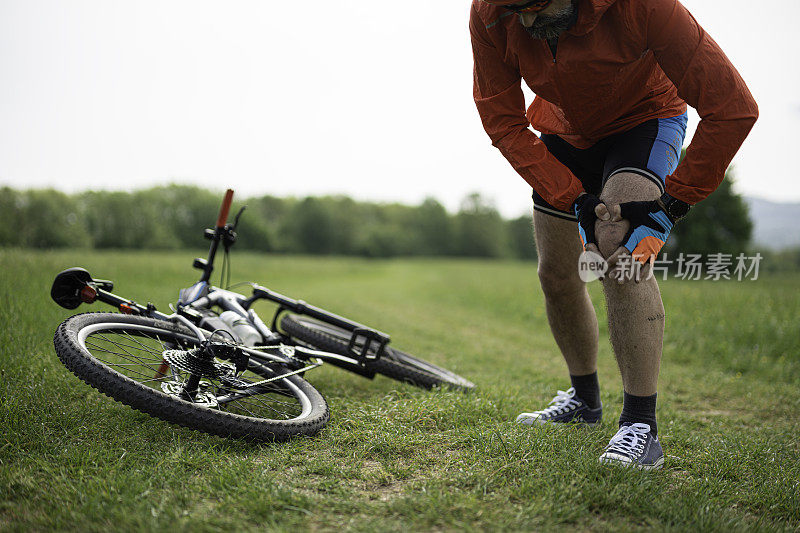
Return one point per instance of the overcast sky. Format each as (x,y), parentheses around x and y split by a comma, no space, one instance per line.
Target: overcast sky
(369,99)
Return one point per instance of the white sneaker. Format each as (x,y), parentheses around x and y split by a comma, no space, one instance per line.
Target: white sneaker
(564,408)
(634,445)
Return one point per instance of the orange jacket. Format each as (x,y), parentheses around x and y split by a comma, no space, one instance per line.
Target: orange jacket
(622,63)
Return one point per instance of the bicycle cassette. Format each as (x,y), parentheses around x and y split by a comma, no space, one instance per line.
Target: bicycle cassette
(193,362)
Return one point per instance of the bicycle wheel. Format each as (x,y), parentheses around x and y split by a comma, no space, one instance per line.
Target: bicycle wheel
(393,363)
(122,357)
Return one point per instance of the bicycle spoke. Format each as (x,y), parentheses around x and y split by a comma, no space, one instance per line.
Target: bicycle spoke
(277,402)
(143,346)
(249,412)
(126,353)
(155,379)
(243,405)
(125,357)
(139,345)
(116,345)
(130,364)
(133,359)
(261,404)
(120,346)
(256,402)
(148,376)
(164,345)
(266,391)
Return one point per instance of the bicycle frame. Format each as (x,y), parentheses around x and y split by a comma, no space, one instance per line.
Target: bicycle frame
(75,286)
(240,304)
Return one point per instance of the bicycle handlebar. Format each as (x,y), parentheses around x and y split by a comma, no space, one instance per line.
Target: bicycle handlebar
(224,208)
(207,266)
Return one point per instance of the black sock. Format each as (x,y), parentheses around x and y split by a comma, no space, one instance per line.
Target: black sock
(639,409)
(587,389)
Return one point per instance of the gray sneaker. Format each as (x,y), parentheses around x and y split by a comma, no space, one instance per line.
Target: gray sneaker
(634,446)
(564,408)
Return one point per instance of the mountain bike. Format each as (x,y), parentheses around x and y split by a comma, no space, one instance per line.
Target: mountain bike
(213,364)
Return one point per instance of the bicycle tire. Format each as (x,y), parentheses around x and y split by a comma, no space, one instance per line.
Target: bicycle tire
(80,340)
(393,364)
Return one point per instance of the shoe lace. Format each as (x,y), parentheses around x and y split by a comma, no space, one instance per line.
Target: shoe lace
(629,439)
(561,403)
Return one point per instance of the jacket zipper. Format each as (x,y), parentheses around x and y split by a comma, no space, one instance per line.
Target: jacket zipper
(555,74)
(552,53)
(555,67)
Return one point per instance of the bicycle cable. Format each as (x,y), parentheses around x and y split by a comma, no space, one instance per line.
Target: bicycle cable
(239,284)
(225,272)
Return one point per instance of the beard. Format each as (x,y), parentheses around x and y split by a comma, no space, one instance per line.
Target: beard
(549,27)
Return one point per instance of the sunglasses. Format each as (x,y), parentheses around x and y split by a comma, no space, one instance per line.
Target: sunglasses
(533,6)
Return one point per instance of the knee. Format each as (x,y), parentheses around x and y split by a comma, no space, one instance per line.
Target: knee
(621,187)
(559,279)
(609,236)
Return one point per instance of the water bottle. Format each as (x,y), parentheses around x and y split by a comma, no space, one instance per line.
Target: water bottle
(239,324)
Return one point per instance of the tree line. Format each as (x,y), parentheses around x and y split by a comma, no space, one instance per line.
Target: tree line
(173,216)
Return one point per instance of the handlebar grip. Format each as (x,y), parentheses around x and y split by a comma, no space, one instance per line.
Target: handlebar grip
(223,210)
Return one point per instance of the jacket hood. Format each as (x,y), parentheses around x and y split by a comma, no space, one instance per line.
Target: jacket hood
(589,14)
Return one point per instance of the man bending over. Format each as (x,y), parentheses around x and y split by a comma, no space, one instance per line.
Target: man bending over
(612,80)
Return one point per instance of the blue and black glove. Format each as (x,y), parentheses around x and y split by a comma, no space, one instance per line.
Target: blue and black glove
(584,207)
(649,230)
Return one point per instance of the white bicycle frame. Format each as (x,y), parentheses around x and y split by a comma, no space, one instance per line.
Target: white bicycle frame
(233,301)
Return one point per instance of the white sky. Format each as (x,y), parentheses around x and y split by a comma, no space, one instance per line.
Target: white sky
(369,99)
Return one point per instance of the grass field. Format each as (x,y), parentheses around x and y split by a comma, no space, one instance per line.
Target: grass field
(397,458)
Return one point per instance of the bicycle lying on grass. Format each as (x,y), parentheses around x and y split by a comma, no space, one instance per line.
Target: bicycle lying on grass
(213,365)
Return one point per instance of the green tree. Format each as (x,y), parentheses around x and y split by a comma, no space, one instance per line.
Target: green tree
(310,227)
(382,230)
(719,224)
(46,219)
(126,220)
(480,231)
(261,224)
(185,210)
(520,233)
(9,217)
(433,228)
(346,217)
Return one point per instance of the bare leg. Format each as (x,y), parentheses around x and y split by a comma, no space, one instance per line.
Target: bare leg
(569,310)
(635,312)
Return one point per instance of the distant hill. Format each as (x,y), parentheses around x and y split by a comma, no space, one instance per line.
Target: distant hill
(776,223)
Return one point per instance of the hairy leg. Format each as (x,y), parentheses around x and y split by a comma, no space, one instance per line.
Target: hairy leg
(636,315)
(569,310)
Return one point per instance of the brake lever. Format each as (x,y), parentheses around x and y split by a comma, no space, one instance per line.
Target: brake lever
(236,218)
(229,235)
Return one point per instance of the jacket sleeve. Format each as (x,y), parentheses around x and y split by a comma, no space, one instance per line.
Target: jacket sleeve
(501,105)
(708,82)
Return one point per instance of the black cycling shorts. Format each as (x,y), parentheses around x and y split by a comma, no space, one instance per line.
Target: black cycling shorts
(652,149)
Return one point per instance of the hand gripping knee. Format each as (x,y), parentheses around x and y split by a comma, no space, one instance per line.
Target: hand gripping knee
(649,229)
(584,208)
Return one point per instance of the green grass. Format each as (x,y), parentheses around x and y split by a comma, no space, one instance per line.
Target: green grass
(397,458)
